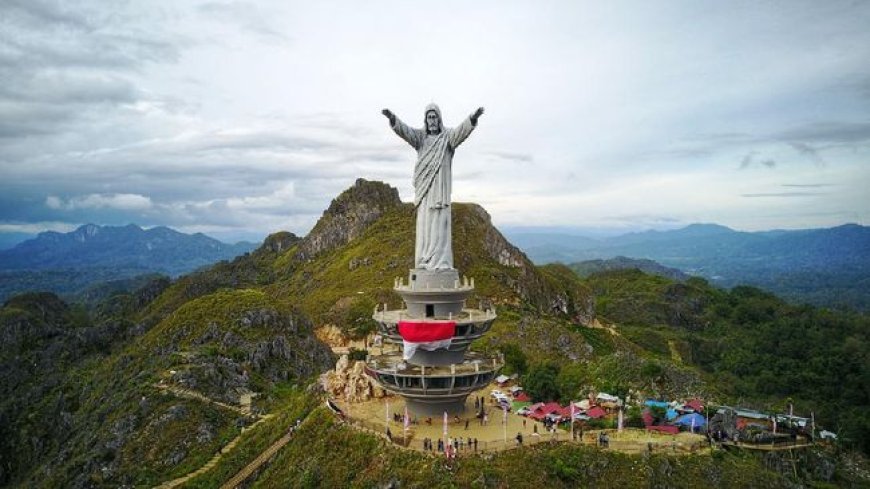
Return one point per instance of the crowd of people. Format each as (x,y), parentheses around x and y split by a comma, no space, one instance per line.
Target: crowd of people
(454,445)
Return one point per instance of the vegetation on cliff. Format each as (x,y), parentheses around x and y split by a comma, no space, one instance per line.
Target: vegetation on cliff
(103,396)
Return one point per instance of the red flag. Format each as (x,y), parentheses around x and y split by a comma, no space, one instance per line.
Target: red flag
(428,335)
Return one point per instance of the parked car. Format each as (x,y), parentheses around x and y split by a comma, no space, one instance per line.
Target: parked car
(524,411)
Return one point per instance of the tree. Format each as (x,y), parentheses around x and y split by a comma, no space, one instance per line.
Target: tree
(515,361)
(540,383)
(570,379)
(357,319)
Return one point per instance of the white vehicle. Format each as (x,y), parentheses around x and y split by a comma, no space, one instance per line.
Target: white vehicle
(497,394)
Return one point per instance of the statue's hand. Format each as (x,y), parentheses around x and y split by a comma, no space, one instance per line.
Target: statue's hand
(389,115)
(476,115)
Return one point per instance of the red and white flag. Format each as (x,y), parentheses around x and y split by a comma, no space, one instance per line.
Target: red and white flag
(428,335)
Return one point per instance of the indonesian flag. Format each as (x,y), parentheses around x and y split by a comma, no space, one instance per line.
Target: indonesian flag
(428,335)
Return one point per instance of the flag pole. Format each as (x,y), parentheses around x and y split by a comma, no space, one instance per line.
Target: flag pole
(445,433)
(504,423)
(406,424)
(572,420)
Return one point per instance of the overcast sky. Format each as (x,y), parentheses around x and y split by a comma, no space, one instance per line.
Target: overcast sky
(239,119)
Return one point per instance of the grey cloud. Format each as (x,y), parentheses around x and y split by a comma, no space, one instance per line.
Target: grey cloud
(783,194)
(60,65)
(58,88)
(644,220)
(829,132)
(807,185)
(113,42)
(261,141)
(516,157)
(751,160)
(808,140)
(38,13)
(246,15)
(808,151)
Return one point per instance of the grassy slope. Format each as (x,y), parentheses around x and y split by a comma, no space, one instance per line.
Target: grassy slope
(326,454)
(143,435)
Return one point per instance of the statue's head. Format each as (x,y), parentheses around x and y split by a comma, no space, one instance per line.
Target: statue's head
(432,120)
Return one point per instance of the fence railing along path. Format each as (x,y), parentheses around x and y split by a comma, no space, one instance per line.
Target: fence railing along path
(655,443)
(258,462)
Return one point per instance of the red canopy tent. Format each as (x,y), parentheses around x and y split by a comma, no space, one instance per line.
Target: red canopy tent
(541,411)
(595,413)
(695,405)
(522,397)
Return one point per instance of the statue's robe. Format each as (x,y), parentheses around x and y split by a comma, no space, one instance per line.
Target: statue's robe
(432,185)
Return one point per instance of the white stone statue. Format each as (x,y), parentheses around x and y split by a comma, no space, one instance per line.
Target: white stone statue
(435,145)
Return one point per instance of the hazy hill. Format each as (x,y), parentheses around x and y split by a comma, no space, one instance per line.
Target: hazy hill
(821,266)
(160,249)
(70,263)
(587,268)
(88,397)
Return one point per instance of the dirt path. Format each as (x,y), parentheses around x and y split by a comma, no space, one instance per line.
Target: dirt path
(244,409)
(214,460)
(258,462)
(191,394)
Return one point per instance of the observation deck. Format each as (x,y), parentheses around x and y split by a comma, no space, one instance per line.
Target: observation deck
(433,390)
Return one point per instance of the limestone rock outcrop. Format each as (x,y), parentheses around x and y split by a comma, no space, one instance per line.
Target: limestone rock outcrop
(348,216)
(349,382)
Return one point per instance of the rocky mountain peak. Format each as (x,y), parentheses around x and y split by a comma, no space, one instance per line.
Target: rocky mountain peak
(86,231)
(348,216)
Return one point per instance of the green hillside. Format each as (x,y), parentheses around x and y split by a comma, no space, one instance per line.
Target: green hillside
(146,386)
(752,346)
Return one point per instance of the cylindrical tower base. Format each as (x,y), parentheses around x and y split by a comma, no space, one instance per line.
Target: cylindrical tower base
(437,357)
(438,408)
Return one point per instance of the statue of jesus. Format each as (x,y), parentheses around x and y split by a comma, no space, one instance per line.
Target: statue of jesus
(435,145)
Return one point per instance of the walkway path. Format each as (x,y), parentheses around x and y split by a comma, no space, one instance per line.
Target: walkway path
(191,394)
(258,462)
(244,409)
(214,460)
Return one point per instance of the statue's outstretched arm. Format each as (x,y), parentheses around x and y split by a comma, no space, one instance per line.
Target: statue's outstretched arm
(414,137)
(459,133)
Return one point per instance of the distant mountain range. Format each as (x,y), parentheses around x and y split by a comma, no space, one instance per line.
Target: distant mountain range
(820,266)
(588,267)
(67,263)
